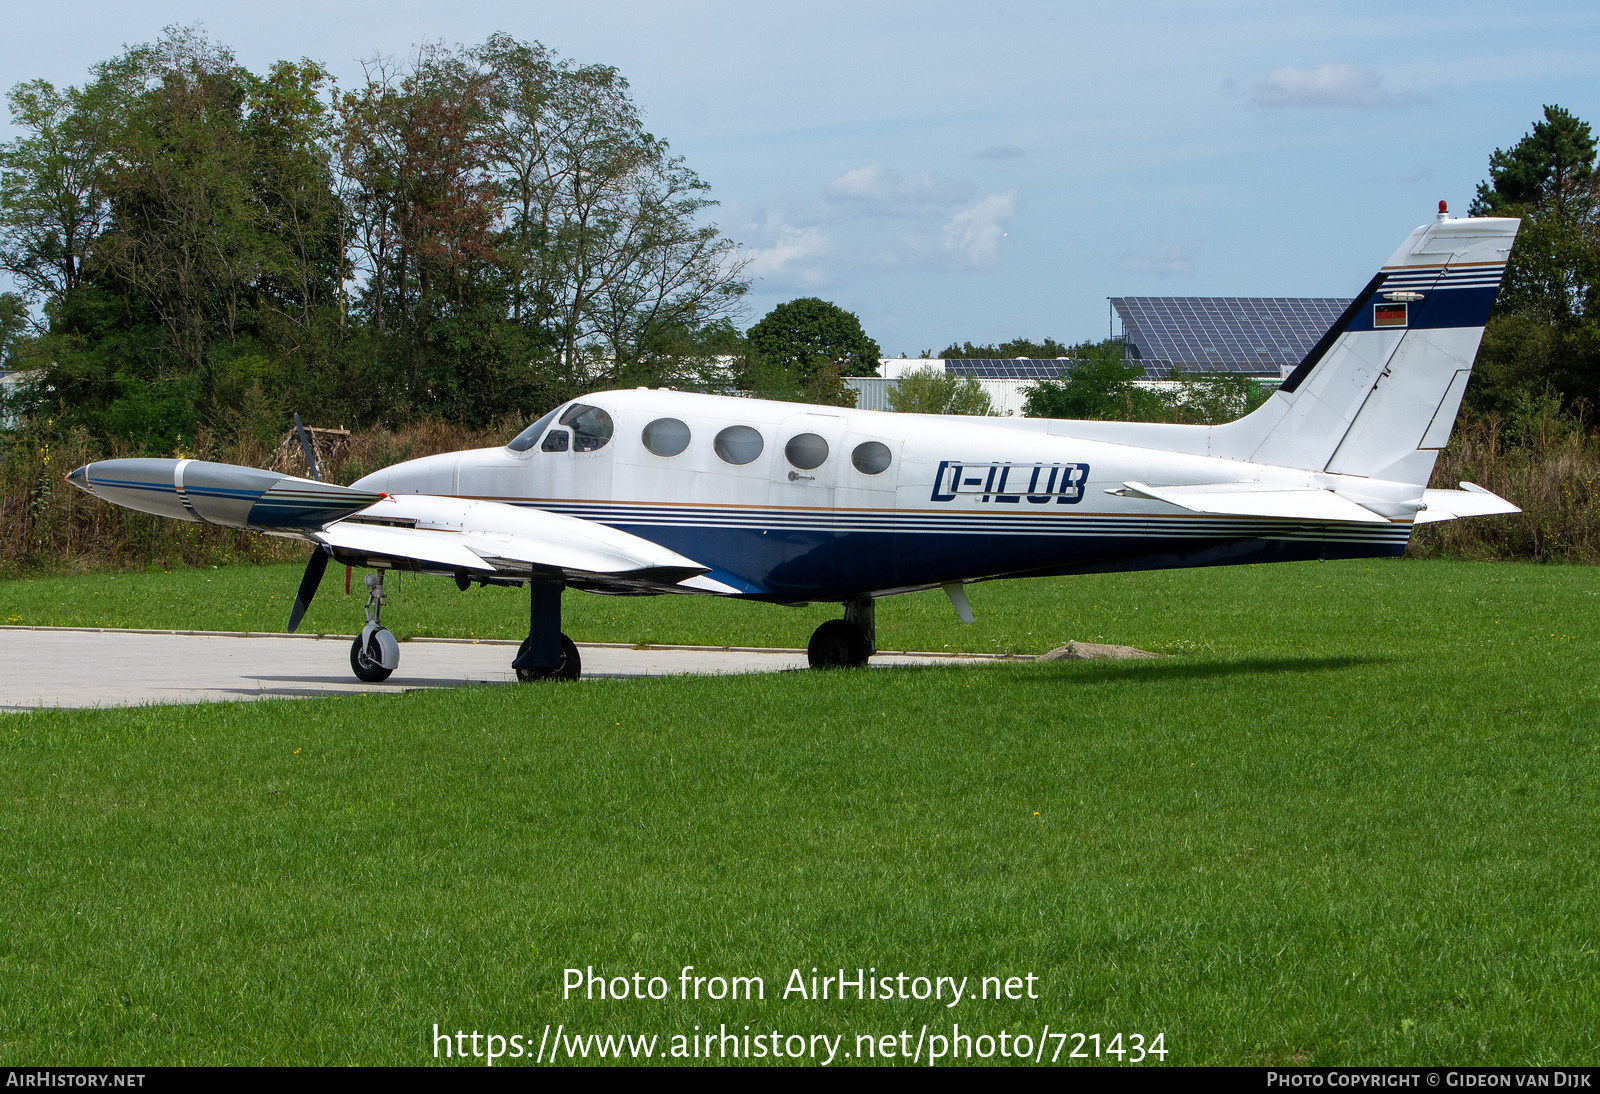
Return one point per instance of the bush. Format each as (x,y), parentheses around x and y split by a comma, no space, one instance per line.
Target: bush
(932,390)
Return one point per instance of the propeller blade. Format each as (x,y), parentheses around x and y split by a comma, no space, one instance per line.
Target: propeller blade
(308,587)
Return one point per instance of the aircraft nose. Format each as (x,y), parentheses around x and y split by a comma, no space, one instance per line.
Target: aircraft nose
(80,477)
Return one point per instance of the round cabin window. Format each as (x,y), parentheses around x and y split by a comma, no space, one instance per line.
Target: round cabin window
(871,457)
(666,437)
(738,444)
(806,451)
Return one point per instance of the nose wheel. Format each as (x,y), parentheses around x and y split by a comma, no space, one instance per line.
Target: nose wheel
(367,656)
(375,653)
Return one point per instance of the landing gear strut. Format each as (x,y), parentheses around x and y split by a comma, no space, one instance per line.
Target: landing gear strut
(546,654)
(375,653)
(847,642)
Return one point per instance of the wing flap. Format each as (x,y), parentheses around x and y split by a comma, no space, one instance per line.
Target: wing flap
(1248,500)
(446,549)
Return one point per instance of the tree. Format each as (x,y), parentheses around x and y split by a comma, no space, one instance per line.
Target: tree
(523,235)
(1550,168)
(185,232)
(932,390)
(466,234)
(603,242)
(1212,398)
(413,146)
(1097,384)
(1545,330)
(289,127)
(808,346)
(14,326)
(1017,347)
(54,177)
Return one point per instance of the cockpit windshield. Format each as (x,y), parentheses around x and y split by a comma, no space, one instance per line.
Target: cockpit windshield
(591,430)
(530,436)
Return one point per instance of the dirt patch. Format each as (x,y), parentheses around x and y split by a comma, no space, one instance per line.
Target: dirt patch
(1094,651)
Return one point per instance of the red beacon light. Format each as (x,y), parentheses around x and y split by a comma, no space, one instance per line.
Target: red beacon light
(1444,210)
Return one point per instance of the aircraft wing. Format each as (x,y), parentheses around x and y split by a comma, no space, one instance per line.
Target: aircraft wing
(1469,501)
(446,534)
(1239,499)
(413,531)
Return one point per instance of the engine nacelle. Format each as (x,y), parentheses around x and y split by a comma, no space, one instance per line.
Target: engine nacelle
(220,493)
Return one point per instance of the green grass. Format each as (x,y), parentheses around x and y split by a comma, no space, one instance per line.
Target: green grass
(1352,821)
(1229,609)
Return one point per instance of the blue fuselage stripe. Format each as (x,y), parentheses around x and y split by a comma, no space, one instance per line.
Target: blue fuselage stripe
(834,554)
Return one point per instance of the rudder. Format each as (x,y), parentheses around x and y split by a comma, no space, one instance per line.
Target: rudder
(1378,394)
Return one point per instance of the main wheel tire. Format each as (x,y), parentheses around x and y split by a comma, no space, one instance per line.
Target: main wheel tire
(365,663)
(838,645)
(569,669)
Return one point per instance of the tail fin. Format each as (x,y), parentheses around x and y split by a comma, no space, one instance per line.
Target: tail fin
(1378,395)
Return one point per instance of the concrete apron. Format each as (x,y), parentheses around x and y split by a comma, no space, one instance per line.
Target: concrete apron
(71,667)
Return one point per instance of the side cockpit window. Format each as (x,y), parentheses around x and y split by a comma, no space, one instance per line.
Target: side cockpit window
(591,427)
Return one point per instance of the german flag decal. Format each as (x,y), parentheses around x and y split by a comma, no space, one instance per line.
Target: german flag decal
(1389,315)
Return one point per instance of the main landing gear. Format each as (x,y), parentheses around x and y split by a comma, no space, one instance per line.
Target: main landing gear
(546,654)
(375,653)
(847,642)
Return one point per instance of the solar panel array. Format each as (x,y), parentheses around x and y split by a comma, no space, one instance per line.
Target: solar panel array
(1016,368)
(1246,334)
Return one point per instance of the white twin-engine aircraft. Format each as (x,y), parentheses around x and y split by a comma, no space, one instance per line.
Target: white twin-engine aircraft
(653,491)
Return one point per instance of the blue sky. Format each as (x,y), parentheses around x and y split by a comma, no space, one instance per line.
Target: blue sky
(964,171)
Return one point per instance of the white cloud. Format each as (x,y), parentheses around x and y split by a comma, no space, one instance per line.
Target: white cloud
(1331,85)
(795,246)
(793,257)
(1162,260)
(973,235)
(880,191)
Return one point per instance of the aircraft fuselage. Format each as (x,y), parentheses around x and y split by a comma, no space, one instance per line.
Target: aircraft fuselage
(832,503)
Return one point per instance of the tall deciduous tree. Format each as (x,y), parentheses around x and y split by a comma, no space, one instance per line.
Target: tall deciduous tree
(808,346)
(186,232)
(602,240)
(54,184)
(466,234)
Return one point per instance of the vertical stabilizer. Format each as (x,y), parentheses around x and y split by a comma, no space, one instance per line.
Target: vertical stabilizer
(1377,395)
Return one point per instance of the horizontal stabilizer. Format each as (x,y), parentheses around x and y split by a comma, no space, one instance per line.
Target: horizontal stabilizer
(1469,501)
(1247,500)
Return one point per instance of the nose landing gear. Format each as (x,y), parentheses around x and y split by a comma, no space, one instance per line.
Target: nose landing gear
(375,653)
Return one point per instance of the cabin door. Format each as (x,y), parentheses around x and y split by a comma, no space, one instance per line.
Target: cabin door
(808,453)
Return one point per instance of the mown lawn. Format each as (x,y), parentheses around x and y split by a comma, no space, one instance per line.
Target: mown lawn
(1350,820)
